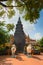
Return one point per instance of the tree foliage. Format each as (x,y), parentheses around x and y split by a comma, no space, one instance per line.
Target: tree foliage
(4,33)
(31,8)
(10,27)
(2,23)
(41,42)
(4,36)
(10,12)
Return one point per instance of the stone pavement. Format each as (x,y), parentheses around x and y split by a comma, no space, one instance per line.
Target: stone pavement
(22,59)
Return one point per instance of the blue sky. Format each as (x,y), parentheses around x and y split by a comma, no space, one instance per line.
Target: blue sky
(39,25)
(35,31)
(38,32)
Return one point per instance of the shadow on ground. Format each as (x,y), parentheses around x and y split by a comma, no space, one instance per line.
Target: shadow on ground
(36,58)
(3,61)
(19,58)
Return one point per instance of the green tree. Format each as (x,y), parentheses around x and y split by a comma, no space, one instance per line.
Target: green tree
(4,33)
(41,42)
(4,36)
(31,8)
(10,27)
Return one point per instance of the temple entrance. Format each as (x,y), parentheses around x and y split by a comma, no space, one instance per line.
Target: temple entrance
(20,48)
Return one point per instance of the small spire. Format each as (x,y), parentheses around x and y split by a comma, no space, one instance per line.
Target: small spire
(19,20)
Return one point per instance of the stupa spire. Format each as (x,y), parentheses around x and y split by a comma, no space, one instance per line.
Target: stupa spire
(19,20)
(19,36)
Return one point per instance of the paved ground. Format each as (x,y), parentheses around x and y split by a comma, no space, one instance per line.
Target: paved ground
(22,59)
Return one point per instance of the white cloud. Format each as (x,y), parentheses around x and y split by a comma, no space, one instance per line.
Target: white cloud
(37,36)
(27,26)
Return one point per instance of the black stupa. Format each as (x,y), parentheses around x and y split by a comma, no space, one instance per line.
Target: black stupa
(19,36)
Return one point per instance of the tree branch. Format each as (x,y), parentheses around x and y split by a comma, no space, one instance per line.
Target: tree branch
(10,6)
(3,0)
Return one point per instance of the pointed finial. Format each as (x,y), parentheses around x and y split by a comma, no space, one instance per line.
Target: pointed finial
(19,18)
